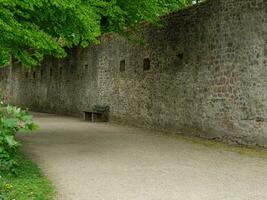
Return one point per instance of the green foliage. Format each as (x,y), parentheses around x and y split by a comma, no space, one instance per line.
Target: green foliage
(28,184)
(12,121)
(31,29)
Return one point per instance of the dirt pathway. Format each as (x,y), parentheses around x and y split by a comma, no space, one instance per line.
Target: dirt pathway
(88,161)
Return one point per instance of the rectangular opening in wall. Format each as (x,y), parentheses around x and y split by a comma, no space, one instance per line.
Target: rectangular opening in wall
(51,72)
(72,68)
(180,56)
(146,64)
(34,75)
(26,74)
(60,71)
(122,65)
(86,66)
(42,73)
(179,59)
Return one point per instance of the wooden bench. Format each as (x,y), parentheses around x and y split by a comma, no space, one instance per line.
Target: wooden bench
(98,114)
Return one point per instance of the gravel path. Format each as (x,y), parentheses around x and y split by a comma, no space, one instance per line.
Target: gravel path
(98,161)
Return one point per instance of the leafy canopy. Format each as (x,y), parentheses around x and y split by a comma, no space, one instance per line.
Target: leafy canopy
(30,29)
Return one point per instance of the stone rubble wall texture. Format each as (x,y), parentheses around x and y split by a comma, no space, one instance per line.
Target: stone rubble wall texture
(208,75)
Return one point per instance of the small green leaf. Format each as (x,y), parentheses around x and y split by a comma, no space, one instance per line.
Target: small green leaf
(11,141)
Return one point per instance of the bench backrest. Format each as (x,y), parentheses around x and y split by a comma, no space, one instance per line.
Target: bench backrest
(102,109)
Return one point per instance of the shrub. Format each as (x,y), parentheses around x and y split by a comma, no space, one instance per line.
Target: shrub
(12,121)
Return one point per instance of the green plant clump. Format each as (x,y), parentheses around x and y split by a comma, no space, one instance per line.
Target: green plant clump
(28,184)
(12,121)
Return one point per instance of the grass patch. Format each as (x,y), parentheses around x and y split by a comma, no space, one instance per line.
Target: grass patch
(28,184)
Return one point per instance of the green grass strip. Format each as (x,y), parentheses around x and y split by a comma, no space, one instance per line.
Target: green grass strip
(28,184)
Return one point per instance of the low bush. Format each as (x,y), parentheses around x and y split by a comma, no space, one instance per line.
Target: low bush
(12,121)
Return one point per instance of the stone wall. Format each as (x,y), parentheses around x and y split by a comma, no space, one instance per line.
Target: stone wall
(203,73)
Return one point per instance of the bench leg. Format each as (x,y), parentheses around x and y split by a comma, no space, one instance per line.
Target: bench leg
(92,118)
